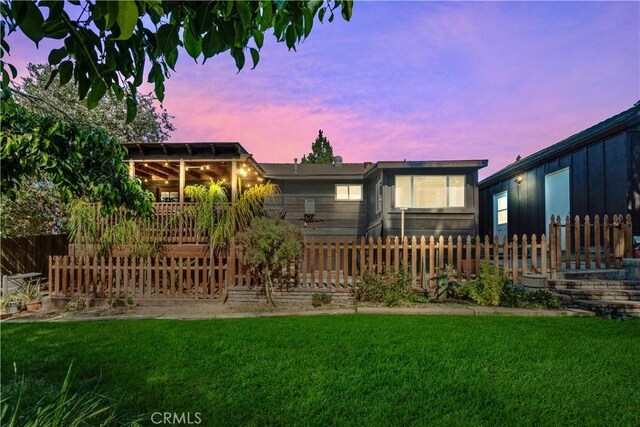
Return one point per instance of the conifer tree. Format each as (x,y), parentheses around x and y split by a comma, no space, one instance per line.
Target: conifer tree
(321,151)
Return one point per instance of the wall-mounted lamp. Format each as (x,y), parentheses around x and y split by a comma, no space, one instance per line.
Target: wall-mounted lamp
(519,179)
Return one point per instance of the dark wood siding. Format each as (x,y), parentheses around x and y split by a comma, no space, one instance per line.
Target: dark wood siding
(598,173)
(336,218)
(634,180)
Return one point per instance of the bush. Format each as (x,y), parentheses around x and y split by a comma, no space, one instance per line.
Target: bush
(519,296)
(447,287)
(392,288)
(486,289)
(321,298)
(271,245)
(76,304)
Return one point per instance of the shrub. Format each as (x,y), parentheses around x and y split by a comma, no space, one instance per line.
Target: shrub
(519,296)
(321,298)
(486,289)
(392,288)
(76,304)
(270,245)
(447,286)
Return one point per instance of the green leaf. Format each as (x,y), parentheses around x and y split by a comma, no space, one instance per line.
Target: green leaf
(258,36)
(238,56)
(83,86)
(347,9)
(228,9)
(57,55)
(255,56)
(53,75)
(290,36)
(244,10)
(321,14)
(66,71)
(127,18)
(267,15)
(29,19)
(168,38)
(14,71)
(211,44)
(5,78)
(132,109)
(308,21)
(172,59)
(192,44)
(98,89)
(112,15)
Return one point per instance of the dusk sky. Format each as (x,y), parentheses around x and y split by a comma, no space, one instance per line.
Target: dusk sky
(416,81)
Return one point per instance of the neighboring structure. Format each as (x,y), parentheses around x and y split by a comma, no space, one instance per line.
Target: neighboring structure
(327,200)
(594,172)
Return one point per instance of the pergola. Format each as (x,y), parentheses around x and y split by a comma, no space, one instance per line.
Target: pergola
(166,168)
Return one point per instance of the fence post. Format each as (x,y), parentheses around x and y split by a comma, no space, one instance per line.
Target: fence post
(587,242)
(618,233)
(628,237)
(552,247)
(597,240)
(514,258)
(432,248)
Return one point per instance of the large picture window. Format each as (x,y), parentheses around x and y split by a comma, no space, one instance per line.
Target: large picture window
(429,191)
(349,192)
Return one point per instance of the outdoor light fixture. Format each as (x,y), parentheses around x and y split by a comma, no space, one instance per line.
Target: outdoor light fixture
(242,172)
(146,164)
(166,163)
(166,182)
(519,179)
(146,180)
(201,168)
(207,167)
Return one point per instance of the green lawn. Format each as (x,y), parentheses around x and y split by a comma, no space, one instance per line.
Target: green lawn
(352,369)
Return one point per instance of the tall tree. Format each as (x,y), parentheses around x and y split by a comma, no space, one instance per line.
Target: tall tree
(150,125)
(321,151)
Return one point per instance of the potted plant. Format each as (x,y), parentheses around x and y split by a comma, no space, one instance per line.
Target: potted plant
(10,305)
(31,296)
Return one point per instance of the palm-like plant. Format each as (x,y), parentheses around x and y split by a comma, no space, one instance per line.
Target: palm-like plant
(223,220)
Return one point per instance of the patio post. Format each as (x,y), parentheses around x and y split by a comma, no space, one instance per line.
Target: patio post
(132,169)
(234,181)
(182,181)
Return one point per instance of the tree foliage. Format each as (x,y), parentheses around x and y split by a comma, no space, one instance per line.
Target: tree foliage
(270,245)
(321,151)
(35,210)
(150,125)
(81,161)
(105,46)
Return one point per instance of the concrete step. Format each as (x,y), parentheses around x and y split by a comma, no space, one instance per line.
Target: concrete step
(602,294)
(625,308)
(558,284)
(584,274)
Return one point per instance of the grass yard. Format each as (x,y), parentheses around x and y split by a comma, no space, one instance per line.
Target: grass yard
(345,370)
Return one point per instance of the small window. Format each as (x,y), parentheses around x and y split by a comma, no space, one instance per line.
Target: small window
(169,196)
(348,192)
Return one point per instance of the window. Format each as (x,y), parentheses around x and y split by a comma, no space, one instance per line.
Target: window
(429,191)
(348,192)
(501,209)
(169,196)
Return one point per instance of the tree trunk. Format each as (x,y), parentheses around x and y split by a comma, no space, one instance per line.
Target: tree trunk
(268,290)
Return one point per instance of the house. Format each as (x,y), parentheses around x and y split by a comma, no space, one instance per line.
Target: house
(326,200)
(594,172)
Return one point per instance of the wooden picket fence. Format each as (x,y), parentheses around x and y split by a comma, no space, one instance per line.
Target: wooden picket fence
(338,264)
(119,277)
(586,244)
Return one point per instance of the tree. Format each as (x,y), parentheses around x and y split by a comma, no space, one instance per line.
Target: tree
(150,124)
(321,151)
(36,210)
(104,46)
(82,162)
(270,245)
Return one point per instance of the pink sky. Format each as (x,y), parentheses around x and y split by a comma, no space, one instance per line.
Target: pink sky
(416,81)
